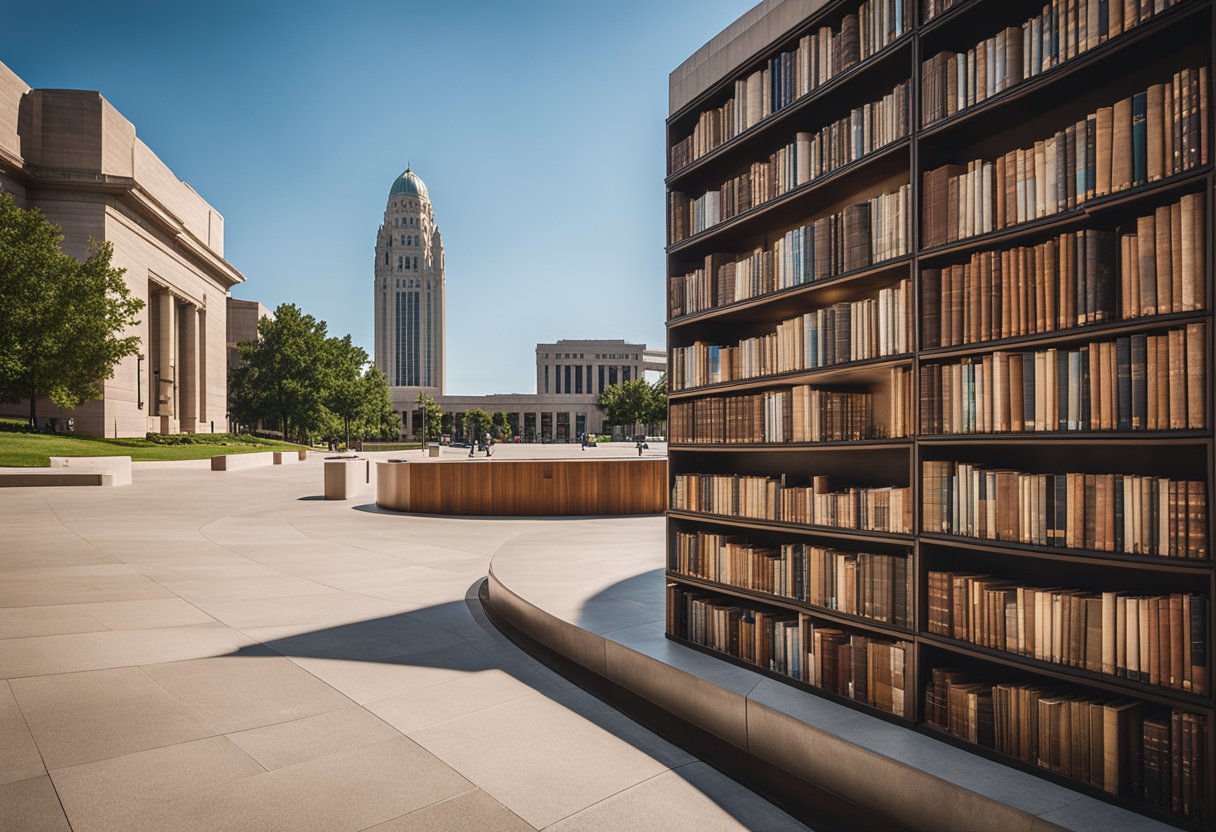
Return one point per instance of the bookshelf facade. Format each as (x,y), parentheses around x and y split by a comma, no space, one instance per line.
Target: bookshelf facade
(940,286)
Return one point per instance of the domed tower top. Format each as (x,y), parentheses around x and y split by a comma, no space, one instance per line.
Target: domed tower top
(408,184)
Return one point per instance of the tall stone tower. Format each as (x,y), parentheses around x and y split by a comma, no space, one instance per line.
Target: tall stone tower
(409,288)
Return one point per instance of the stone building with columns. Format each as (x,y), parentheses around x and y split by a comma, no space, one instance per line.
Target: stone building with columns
(570,374)
(70,154)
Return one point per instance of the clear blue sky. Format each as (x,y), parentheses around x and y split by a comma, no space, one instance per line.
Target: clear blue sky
(537,127)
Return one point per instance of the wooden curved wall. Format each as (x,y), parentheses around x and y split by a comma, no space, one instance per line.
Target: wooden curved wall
(524,487)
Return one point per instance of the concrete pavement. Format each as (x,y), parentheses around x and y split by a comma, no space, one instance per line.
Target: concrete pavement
(226,651)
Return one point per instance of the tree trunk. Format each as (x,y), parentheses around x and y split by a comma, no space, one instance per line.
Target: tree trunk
(34,410)
(346,427)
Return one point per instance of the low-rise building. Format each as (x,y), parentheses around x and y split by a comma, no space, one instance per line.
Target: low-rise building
(70,154)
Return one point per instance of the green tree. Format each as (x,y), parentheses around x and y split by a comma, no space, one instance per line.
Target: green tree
(346,390)
(626,403)
(60,318)
(445,423)
(501,424)
(432,417)
(656,403)
(285,375)
(477,421)
(378,418)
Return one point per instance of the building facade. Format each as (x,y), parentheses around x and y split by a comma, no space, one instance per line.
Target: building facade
(577,367)
(70,154)
(570,374)
(409,288)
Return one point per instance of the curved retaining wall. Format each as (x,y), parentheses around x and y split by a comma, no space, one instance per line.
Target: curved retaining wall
(896,772)
(524,487)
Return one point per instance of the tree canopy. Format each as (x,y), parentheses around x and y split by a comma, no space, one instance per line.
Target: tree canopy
(61,319)
(635,402)
(297,377)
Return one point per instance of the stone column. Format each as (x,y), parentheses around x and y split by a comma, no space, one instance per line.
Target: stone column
(166,352)
(188,375)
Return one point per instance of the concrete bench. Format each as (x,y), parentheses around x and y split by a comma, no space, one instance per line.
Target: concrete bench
(343,476)
(239,462)
(119,467)
(286,457)
(51,477)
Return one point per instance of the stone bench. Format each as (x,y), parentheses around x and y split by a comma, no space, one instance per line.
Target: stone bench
(51,477)
(344,475)
(119,467)
(239,462)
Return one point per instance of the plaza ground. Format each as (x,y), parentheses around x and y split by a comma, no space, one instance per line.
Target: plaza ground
(226,651)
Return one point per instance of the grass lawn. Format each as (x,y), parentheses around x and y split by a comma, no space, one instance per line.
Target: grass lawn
(35,449)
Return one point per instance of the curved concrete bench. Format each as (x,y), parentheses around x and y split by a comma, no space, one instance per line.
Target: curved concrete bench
(896,771)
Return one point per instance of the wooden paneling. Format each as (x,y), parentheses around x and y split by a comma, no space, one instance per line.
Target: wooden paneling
(524,487)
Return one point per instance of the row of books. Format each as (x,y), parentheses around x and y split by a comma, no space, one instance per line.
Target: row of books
(1071,280)
(819,57)
(796,414)
(807,158)
(767,639)
(1062,30)
(1163,264)
(1137,382)
(932,8)
(868,585)
(882,509)
(862,235)
(872,670)
(1118,745)
(1112,149)
(1124,513)
(1156,639)
(839,334)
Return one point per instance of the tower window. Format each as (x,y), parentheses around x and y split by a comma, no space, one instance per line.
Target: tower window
(415,263)
(386,258)
(399,264)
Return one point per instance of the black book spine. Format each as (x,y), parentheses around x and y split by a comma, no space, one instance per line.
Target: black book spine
(1139,369)
(1123,376)
(1118,512)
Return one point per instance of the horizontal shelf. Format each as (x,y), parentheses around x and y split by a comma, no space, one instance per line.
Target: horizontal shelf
(1080,63)
(773,120)
(1151,563)
(794,377)
(893,267)
(793,605)
(1129,803)
(800,528)
(848,444)
(910,695)
(803,191)
(1073,675)
(1078,437)
(1064,219)
(1105,329)
(949,15)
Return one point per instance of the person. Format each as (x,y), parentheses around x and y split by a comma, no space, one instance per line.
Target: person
(641,444)
(488,442)
(582,441)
